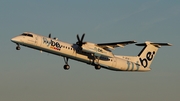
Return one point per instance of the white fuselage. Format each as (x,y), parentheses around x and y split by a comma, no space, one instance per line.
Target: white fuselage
(72,51)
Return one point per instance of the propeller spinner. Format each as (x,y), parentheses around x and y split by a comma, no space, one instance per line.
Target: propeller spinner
(80,41)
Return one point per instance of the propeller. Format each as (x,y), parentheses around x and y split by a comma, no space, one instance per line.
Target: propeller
(49,35)
(80,41)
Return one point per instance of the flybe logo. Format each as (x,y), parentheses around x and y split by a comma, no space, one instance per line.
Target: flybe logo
(54,45)
(149,57)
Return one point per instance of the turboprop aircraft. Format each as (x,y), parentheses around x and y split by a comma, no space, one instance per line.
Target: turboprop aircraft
(99,55)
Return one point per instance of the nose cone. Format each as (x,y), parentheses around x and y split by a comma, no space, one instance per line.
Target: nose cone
(15,39)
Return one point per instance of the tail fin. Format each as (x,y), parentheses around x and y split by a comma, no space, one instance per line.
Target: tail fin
(149,51)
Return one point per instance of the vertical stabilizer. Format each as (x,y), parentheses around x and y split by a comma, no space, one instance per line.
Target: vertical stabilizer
(149,51)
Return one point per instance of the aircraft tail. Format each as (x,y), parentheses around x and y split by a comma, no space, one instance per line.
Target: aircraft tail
(149,51)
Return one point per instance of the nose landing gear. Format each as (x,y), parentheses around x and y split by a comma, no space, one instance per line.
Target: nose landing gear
(18,47)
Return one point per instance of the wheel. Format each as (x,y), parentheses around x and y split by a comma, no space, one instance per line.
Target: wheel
(18,48)
(97,67)
(66,67)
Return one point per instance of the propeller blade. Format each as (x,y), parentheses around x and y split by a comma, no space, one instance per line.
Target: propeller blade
(80,41)
(49,35)
(78,38)
(82,37)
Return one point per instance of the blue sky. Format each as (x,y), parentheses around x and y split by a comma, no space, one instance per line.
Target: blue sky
(28,75)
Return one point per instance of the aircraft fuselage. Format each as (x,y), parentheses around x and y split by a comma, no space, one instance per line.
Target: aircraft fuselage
(72,51)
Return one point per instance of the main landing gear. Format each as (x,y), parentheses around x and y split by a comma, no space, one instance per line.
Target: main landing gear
(18,47)
(66,66)
(97,66)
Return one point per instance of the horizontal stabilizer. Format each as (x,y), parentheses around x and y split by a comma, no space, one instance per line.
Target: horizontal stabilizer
(155,44)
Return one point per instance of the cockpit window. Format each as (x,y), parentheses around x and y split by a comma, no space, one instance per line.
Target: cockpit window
(30,35)
(24,34)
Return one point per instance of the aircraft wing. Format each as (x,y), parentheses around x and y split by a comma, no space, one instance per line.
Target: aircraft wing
(115,44)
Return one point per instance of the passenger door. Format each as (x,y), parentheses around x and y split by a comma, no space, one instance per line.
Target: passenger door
(38,40)
(114,62)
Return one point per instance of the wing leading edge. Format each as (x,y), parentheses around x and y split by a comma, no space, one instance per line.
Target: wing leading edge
(115,44)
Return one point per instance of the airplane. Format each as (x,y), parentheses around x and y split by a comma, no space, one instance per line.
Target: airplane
(98,55)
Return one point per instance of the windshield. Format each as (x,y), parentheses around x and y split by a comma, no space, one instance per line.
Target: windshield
(24,34)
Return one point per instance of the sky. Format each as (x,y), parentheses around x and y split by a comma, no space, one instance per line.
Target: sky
(28,75)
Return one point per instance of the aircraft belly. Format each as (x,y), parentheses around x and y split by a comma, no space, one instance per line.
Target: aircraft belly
(125,65)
